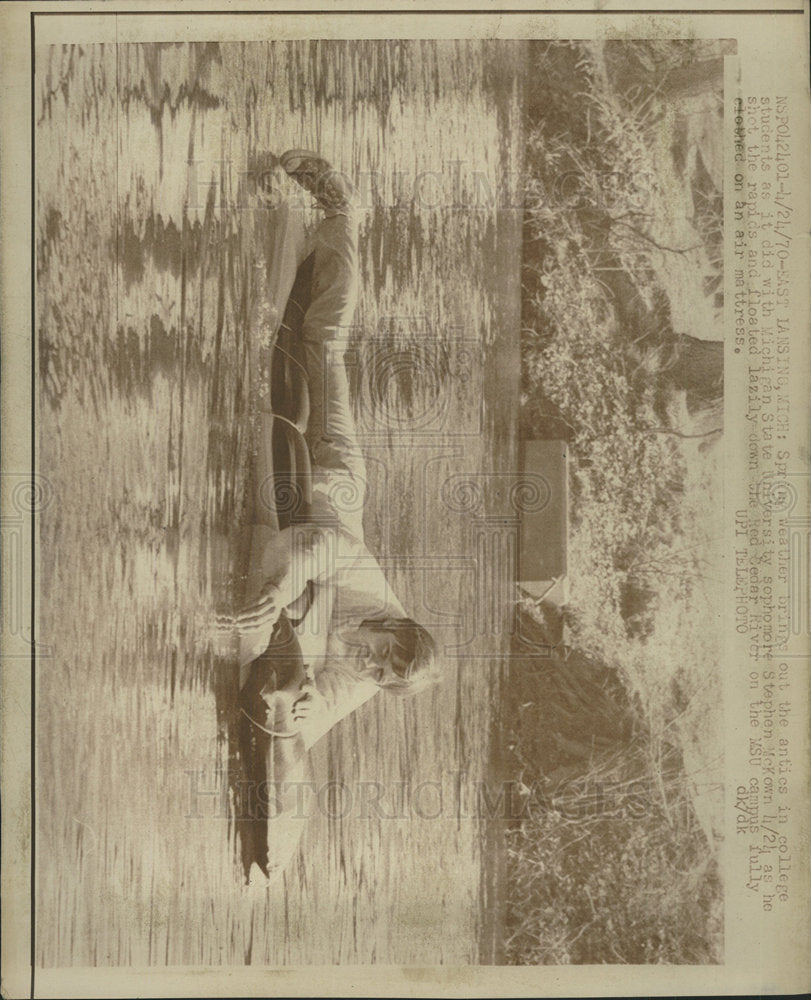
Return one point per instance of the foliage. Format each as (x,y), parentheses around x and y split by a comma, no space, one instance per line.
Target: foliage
(598,347)
(609,860)
(612,888)
(636,695)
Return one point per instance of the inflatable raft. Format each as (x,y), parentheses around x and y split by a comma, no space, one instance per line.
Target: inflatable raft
(273,755)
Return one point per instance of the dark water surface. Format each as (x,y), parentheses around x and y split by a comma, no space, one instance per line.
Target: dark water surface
(148,223)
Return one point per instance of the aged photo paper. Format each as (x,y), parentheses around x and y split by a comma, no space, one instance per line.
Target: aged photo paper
(406,502)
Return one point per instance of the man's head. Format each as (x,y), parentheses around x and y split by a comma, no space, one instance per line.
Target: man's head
(397,654)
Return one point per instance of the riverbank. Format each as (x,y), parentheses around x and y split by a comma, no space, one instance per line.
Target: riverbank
(610,711)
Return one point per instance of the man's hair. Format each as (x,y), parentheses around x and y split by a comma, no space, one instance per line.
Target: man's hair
(413,654)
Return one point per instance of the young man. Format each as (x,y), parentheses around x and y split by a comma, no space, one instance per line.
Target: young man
(353,633)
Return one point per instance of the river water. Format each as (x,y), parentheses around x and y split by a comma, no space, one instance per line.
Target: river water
(148,217)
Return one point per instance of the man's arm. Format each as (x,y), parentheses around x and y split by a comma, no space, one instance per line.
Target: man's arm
(291,559)
(310,556)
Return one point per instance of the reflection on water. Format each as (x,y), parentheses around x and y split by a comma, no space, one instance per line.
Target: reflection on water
(149,219)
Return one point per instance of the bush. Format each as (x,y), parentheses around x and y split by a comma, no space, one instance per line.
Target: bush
(608,861)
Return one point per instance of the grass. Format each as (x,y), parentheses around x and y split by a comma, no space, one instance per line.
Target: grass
(609,861)
(612,705)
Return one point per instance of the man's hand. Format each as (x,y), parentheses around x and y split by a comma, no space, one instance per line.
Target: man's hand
(261,613)
(309,704)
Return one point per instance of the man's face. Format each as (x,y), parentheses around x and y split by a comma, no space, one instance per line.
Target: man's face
(373,650)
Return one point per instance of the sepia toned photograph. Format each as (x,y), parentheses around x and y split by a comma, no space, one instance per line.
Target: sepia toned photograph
(405,505)
(379,423)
